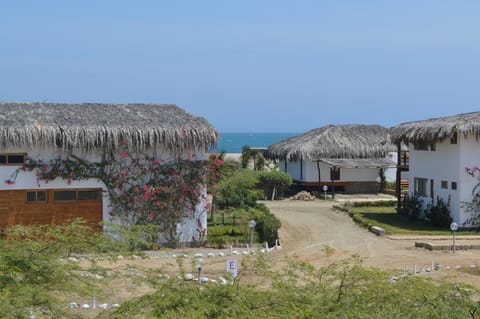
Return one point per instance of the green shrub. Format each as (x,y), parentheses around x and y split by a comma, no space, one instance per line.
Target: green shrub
(439,215)
(274,183)
(411,207)
(381,203)
(267,228)
(239,190)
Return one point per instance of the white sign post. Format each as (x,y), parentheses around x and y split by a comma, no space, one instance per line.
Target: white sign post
(232,267)
(325,188)
(454,228)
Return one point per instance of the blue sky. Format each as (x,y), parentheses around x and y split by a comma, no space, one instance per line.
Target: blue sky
(250,65)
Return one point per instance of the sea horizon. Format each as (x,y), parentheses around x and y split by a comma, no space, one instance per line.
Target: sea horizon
(233,142)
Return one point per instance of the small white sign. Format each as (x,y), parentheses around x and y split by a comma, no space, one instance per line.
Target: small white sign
(232,267)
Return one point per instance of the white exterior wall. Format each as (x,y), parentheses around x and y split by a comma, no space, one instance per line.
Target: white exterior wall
(469,157)
(310,172)
(27,180)
(443,164)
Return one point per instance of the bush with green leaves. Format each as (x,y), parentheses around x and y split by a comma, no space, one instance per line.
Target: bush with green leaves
(274,183)
(299,290)
(412,206)
(439,214)
(238,190)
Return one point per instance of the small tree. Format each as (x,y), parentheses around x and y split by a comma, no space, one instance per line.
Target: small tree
(239,190)
(274,183)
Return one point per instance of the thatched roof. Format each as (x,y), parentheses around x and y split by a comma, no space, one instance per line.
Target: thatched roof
(335,141)
(359,162)
(91,126)
(436,129)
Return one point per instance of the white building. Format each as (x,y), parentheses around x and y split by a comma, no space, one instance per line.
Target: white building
(347,158)
(441,151)
(46,132)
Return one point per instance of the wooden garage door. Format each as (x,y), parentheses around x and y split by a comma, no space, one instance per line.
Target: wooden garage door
(50,207)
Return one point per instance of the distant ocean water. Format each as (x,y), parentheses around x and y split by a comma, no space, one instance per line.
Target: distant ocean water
(234,142)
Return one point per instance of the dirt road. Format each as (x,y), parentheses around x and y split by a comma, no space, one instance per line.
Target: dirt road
(313,231)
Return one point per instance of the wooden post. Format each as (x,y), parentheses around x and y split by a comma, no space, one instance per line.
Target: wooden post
(398,189)
(319,178)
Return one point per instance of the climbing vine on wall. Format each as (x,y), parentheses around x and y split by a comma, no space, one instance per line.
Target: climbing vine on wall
(142,189)
(473,207)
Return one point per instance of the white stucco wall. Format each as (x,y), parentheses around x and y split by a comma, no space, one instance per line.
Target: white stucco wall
(310,172)
(469,157)
(446,163)
(27,180)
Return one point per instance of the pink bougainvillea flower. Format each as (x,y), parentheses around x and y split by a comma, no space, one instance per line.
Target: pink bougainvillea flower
(124,154)
(219,162)
(123,141)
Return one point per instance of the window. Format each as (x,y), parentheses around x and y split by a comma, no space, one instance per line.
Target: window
(61,196)
(36,196)
(432,192)
(444,184)
(420,186)
(12,159)
(454,186)
(334,173)
(453,138)
(89,195)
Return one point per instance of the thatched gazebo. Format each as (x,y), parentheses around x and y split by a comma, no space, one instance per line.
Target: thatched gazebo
(350,148)
(93,126)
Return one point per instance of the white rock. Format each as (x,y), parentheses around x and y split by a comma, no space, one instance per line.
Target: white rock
(210,255)
(99,277)
(120,257)
(86,306)
(235,252)
(221,254)
(198,255)
(188,277)
(472,266)
(174,256)
(245,252)
(115,305)
(204,280)
(223,281)
(73,305)
(73,259)
(103,306)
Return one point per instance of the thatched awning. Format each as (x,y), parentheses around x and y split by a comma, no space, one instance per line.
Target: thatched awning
(358,162)
(436,129)
(92,126)
(335,141)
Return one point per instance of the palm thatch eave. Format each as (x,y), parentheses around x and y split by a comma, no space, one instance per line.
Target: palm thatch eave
(93,126)
(334,141)
(436,129)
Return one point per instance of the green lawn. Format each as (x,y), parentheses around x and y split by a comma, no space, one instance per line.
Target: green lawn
(395,224)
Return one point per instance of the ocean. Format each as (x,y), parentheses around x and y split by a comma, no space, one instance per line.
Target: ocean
(234,142)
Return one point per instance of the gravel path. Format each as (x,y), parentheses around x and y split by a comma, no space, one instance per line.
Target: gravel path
(314,232)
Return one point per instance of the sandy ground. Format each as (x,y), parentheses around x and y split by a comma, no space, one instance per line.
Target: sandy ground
(311,229)
(314,232)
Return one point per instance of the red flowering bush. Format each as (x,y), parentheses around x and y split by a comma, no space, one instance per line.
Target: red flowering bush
(142,189)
